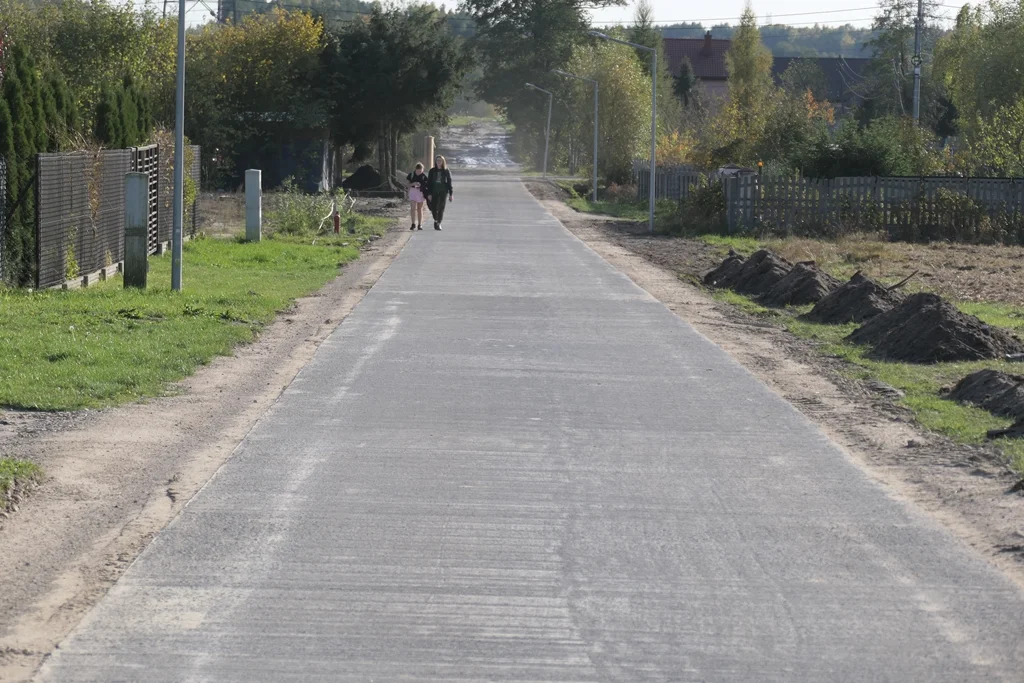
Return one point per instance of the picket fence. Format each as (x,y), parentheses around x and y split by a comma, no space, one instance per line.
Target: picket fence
(895,204)
(671,182)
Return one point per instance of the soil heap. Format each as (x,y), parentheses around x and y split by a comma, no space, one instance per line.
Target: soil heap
(1014,431)
(858,300)
(365,178)
(758,274)
(804,284)
(926,329)
(726,271)
(997,392)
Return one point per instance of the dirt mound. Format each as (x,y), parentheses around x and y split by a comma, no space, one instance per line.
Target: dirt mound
(997,392)
(1014,431)
(805,284)
(759,273)
(926,329)
(365,178)
(726,272)
(858,300)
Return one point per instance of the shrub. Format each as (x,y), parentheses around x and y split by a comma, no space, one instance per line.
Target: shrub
(704,209)
(620,193)
(301,214)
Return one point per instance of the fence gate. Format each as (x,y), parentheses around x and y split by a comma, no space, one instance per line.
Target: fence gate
(147,160)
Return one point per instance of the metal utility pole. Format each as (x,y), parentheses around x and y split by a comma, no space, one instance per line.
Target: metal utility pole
(596,86)
(919,23)
(179,155)
(654,113)
(547,131)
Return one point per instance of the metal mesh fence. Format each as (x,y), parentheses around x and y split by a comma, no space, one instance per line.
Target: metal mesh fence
(3,217)
(193,166)
(80,213)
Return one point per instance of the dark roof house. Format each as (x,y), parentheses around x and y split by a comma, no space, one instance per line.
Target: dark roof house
(842,75)
(707,55)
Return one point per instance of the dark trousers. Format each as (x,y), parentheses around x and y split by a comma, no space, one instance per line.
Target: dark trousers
(437,204)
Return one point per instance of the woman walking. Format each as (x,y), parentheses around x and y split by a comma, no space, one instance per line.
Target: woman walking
(439,184)
(417,195)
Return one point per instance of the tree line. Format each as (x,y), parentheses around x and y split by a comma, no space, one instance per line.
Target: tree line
(272,91)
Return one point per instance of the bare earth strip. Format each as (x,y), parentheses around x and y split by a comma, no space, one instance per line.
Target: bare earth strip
(966,487)
(116,477)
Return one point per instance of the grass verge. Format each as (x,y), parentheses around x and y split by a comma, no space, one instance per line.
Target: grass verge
(889,262)
(15,474)
(921,384)
(106,345)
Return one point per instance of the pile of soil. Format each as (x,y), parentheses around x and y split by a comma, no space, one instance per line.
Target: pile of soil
(805,284)
(365,178)
(756,275)
(1014,431)
(858,300)
(725,272)
(926,329)
(997,392)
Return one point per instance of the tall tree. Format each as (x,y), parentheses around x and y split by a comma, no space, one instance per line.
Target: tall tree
(521,41)
(981,63)
(749,64)
(625,105)
(644,32)
(684,82)
(889,86)
(389,75)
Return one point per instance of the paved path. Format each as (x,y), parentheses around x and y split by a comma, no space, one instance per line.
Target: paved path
(511,464)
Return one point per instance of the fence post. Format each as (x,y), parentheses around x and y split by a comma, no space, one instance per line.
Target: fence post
(136,229)
(428,150)
(253,206)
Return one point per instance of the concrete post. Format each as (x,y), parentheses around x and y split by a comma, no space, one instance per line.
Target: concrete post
(136,229)
(253,205)
(428,149)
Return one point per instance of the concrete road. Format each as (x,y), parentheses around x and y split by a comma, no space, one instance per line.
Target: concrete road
(512,464)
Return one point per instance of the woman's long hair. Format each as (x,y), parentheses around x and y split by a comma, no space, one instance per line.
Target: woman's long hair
(444,163)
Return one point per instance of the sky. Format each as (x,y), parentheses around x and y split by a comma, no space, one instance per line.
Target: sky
(793,12)
(800,12)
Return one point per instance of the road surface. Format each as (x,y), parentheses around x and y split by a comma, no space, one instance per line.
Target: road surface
(512,464)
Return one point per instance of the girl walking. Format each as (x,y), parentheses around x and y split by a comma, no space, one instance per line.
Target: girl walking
(439,184)
(417,195)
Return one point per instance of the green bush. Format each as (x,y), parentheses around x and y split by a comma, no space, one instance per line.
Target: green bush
(885,147)
(704,209)
(301,214)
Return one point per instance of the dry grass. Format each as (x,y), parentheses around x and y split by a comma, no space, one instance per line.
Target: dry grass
(960,272)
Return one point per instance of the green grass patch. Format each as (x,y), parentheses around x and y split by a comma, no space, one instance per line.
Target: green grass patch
(105,345)
(723,243)
(630,210)
(15,473)
(746,304)
(463,120)
(922,384)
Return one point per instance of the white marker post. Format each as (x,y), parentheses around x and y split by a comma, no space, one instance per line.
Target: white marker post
(253,205)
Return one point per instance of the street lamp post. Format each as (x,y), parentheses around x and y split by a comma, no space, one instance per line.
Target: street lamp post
(547,131)
(654,109)
(178,209)
(596,86)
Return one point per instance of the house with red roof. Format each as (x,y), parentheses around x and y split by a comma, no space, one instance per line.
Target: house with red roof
(707,57)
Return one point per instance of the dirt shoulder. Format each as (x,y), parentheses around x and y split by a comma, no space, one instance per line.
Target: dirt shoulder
(115,477)
(967,488)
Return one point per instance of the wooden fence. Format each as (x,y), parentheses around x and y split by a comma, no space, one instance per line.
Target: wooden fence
(671,182)
(936,207)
